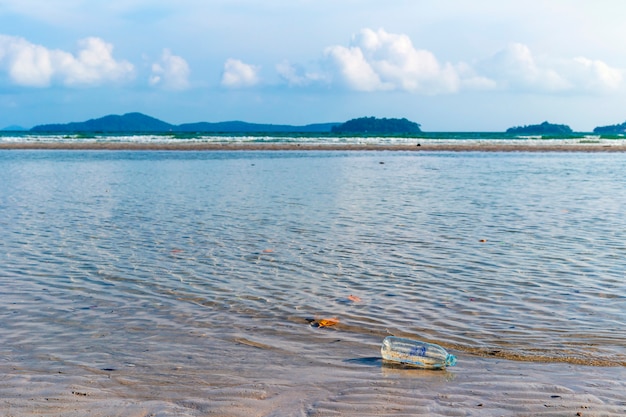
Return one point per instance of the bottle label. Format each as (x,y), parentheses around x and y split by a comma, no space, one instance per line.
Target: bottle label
(418,351)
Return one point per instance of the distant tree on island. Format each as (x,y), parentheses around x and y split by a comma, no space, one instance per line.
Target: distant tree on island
(372,125)
(611,130)
(544,128)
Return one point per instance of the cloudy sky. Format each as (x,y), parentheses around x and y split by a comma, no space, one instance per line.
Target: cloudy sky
(450,65)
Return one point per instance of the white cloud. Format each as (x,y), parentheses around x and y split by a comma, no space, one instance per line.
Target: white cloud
(36,66)
(378,60)
(595,75)
(237,74)
(354,70)
(296,75)
(27,64)
(171,72)
(516,68)
(471,80)
(94,65)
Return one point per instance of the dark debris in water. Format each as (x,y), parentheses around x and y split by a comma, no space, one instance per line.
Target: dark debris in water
(327,322)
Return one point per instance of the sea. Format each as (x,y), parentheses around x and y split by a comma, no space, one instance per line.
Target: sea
(425,138)
(190,270)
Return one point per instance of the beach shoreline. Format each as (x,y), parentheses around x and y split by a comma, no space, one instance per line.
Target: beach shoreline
(256,146)
(476,386)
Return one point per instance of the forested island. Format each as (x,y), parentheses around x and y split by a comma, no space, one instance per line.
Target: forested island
(619,129)
(544,128)
(374,126)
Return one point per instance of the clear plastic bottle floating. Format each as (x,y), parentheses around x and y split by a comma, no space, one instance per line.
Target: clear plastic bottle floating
(415,353)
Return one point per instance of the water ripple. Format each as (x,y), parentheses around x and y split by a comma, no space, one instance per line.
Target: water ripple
(495,255)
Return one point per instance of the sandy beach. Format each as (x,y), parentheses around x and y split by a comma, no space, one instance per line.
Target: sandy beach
(476,387)
(256,146)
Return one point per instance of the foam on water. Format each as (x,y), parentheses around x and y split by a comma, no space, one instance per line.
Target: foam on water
(426,139)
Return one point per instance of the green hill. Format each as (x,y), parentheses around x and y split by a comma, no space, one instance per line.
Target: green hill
(13,128)
(129,122)
(374,126)
(611,130)
(544,128)
(140,123)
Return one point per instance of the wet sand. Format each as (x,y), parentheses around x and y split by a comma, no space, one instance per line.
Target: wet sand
(191,146)
(476,387)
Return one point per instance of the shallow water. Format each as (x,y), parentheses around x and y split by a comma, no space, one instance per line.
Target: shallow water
(170,266)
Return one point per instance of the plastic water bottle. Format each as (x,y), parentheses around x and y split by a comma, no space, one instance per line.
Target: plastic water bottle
(416,353)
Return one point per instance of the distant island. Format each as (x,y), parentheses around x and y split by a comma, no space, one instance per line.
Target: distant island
(13,128)
(611,130)
(364,126)
(544,128)
(141,123)
(374,126)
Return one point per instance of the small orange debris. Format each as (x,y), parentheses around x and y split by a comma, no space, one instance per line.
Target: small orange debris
(268,250)
(328,322)
(482,240)
(354,298)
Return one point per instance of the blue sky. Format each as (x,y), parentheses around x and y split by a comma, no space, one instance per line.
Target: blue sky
(456,65)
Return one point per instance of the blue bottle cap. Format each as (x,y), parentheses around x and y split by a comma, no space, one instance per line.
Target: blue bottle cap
(450,360)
